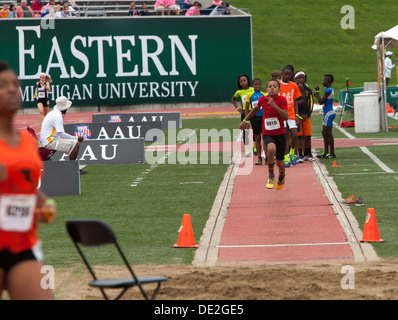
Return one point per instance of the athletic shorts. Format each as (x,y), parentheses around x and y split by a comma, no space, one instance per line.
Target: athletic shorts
(328,118)
(9,259)
(280,143)
(290,124)
(257,124)
(45,102)
(63,145)
(305,127)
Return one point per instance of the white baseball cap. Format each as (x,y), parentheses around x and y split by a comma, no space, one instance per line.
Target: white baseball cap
(389,53)
(62,103)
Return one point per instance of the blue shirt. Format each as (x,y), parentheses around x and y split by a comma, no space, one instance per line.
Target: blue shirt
(253,97)
(328,106)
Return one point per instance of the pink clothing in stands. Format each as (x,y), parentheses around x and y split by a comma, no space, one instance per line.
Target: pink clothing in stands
(192,11)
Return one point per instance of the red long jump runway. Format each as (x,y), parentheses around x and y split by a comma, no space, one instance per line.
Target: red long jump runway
(296,224)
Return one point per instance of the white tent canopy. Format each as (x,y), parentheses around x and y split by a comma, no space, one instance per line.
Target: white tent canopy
(383,40)
(389,37)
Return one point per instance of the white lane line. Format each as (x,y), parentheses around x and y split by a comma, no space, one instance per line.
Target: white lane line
(365,150)
(381,164)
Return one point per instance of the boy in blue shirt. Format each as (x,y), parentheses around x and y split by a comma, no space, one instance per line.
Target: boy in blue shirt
(256,121)
(328,115)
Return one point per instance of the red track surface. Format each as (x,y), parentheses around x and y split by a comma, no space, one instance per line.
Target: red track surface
(294,225)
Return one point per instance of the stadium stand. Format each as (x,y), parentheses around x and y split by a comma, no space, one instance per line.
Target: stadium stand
(108,8)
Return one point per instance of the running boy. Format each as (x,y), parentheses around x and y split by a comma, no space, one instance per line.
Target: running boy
(251,102)
(328,116)
(244,88)
(291,92)
(274,108)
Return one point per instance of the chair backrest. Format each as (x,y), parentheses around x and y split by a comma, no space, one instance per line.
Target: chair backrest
(90,232)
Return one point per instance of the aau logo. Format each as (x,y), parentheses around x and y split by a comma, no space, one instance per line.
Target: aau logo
(83,131)
(115,118)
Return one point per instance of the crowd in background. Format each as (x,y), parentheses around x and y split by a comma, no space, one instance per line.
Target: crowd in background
(38,9)
(64,8)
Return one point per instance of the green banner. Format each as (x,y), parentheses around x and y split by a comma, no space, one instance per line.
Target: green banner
(130,61)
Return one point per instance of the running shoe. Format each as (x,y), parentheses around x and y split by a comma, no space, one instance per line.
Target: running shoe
(287,163)
(270,183)
(309,158)
(259,162)
(293,160)
(279,183)
(301,159)
(254,151)
(330,156)
(321,156)
(357,201)
(263,154)
(248,154)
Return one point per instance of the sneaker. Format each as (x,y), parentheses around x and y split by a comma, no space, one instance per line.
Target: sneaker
(321,156)
(309,158)
(330,156)
(254,151)
(301,159)
(293,160)
(280,184)
(259,162)
(248,154)
(263,154)
(287,163)
(270,183)
(82,171)
(357,201)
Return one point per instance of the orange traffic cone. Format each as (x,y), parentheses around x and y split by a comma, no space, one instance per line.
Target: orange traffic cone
(389,108)
(185,237)
(334,164)
(370,230)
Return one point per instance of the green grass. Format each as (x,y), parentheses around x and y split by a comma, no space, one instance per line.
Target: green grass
(377,187)
(309,36)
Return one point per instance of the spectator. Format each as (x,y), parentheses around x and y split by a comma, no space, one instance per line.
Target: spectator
(13,13)
(194,10)
(24,11)
(169,5)
(132,11)
(37,5)
(68,10)
(221,9)
(144,10)
(208,10)
(48,9)
(185,4)
(5,12)
(57,11)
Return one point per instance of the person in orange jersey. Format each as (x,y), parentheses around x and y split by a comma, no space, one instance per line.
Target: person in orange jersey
(291,92)
(22,205)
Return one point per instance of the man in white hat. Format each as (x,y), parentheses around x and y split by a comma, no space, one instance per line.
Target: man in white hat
(53,135)
(388,66)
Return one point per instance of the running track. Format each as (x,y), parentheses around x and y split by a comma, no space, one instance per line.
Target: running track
(294,225)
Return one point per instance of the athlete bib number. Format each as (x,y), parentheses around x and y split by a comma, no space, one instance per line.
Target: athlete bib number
(272,124)
(41,95)
(16,212)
